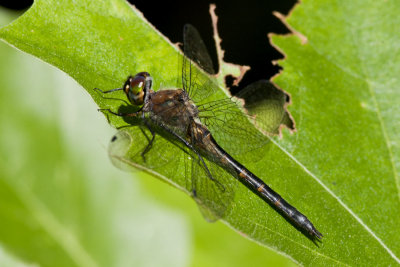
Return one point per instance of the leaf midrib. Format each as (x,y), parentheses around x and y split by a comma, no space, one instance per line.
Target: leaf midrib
(377,111)
(383,128)
(313,251)
(340,202)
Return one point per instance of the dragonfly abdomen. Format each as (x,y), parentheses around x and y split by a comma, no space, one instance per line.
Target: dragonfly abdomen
(258,186)
(266,193)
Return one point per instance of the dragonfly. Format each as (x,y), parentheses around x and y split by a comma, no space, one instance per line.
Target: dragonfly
(183,133)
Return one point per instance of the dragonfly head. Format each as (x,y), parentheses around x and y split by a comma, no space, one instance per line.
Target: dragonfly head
(137,87)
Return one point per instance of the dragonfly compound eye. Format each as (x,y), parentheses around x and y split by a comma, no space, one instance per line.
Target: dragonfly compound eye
(137,87)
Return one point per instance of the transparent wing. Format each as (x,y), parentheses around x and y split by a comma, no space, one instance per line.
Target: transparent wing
(211,186)
(195,49)
(193,80)
(229,126)
(127,145)
(180,165)
(264,106)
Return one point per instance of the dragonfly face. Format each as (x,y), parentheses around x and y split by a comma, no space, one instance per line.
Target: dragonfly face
(136,88)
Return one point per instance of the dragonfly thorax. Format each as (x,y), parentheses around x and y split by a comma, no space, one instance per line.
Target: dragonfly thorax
(172,108)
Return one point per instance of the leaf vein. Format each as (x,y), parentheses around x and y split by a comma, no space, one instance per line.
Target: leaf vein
(288,238)
(378,113)
(340,201)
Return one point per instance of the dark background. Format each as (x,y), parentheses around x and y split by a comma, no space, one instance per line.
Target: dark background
(243,27)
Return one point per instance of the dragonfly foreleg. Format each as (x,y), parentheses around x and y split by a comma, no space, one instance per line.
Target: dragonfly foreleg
(109,91)
(134,114)
(150,141)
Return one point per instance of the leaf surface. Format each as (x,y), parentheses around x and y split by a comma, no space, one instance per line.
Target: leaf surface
(345,89)
(99,45)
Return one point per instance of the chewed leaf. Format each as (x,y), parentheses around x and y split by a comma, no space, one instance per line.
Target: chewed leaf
(344,85)
(267,105)
(340,167)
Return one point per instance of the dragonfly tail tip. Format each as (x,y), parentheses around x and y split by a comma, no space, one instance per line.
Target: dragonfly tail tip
(317,234)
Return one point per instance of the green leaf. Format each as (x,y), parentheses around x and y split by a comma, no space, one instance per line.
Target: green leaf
(100,44)
(344,84)
(62,203)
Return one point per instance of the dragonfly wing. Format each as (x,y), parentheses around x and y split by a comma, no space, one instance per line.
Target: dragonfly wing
(193,79)
(195,49)
(231,127)
(177,163)
(126,148)
(211,186)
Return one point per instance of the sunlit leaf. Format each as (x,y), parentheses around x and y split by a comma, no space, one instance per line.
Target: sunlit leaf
(100,44)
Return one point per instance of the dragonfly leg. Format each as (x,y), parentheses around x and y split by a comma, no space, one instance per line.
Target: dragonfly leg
(109,91)
(134,114)
(205,166)
(222,187)
(189,145)
(125,126)
(194,193)
(150,141)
